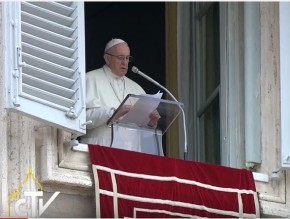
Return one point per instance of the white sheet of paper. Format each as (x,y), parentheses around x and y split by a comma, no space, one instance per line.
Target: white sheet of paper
(139,113)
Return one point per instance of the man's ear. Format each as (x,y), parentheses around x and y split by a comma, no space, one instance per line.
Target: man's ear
(106,58)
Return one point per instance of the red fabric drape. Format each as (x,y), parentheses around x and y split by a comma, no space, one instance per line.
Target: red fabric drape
(133,184)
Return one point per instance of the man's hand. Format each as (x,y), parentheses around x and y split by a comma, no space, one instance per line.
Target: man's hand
(122,111)
(154,118)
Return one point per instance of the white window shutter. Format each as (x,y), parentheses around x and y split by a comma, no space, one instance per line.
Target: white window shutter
(45,62)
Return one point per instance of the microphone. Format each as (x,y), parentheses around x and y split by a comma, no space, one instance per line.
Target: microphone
(136,70)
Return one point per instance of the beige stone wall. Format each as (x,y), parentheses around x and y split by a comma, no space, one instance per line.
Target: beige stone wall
(273,195)
(32,144)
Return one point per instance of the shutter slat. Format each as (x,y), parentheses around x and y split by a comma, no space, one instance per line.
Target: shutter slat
(48,97)
(65,3)
(49,56)
(47,35)
(47,86)
(48,76)
(56,7)
(47,45)
(49,66)
(46,24)
(46,14)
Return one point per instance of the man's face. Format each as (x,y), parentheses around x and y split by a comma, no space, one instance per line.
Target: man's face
(117,59)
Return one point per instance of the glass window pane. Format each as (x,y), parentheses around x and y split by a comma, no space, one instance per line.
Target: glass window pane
(210,63)
(210,133)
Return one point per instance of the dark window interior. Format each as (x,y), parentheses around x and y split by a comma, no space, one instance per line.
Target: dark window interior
(141,24)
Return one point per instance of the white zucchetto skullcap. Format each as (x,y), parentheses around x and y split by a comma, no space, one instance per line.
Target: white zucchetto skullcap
(112,43)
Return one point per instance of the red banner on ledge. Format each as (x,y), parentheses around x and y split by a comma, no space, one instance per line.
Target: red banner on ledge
(133,184)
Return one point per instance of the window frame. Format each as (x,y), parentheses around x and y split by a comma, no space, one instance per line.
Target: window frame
(231,82)
(231,87)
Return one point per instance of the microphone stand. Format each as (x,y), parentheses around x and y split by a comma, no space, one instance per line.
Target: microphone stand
(136,70)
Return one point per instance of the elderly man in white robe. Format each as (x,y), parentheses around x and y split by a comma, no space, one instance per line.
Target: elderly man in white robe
(106,88)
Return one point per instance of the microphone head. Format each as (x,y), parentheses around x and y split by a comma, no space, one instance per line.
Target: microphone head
(134,69)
